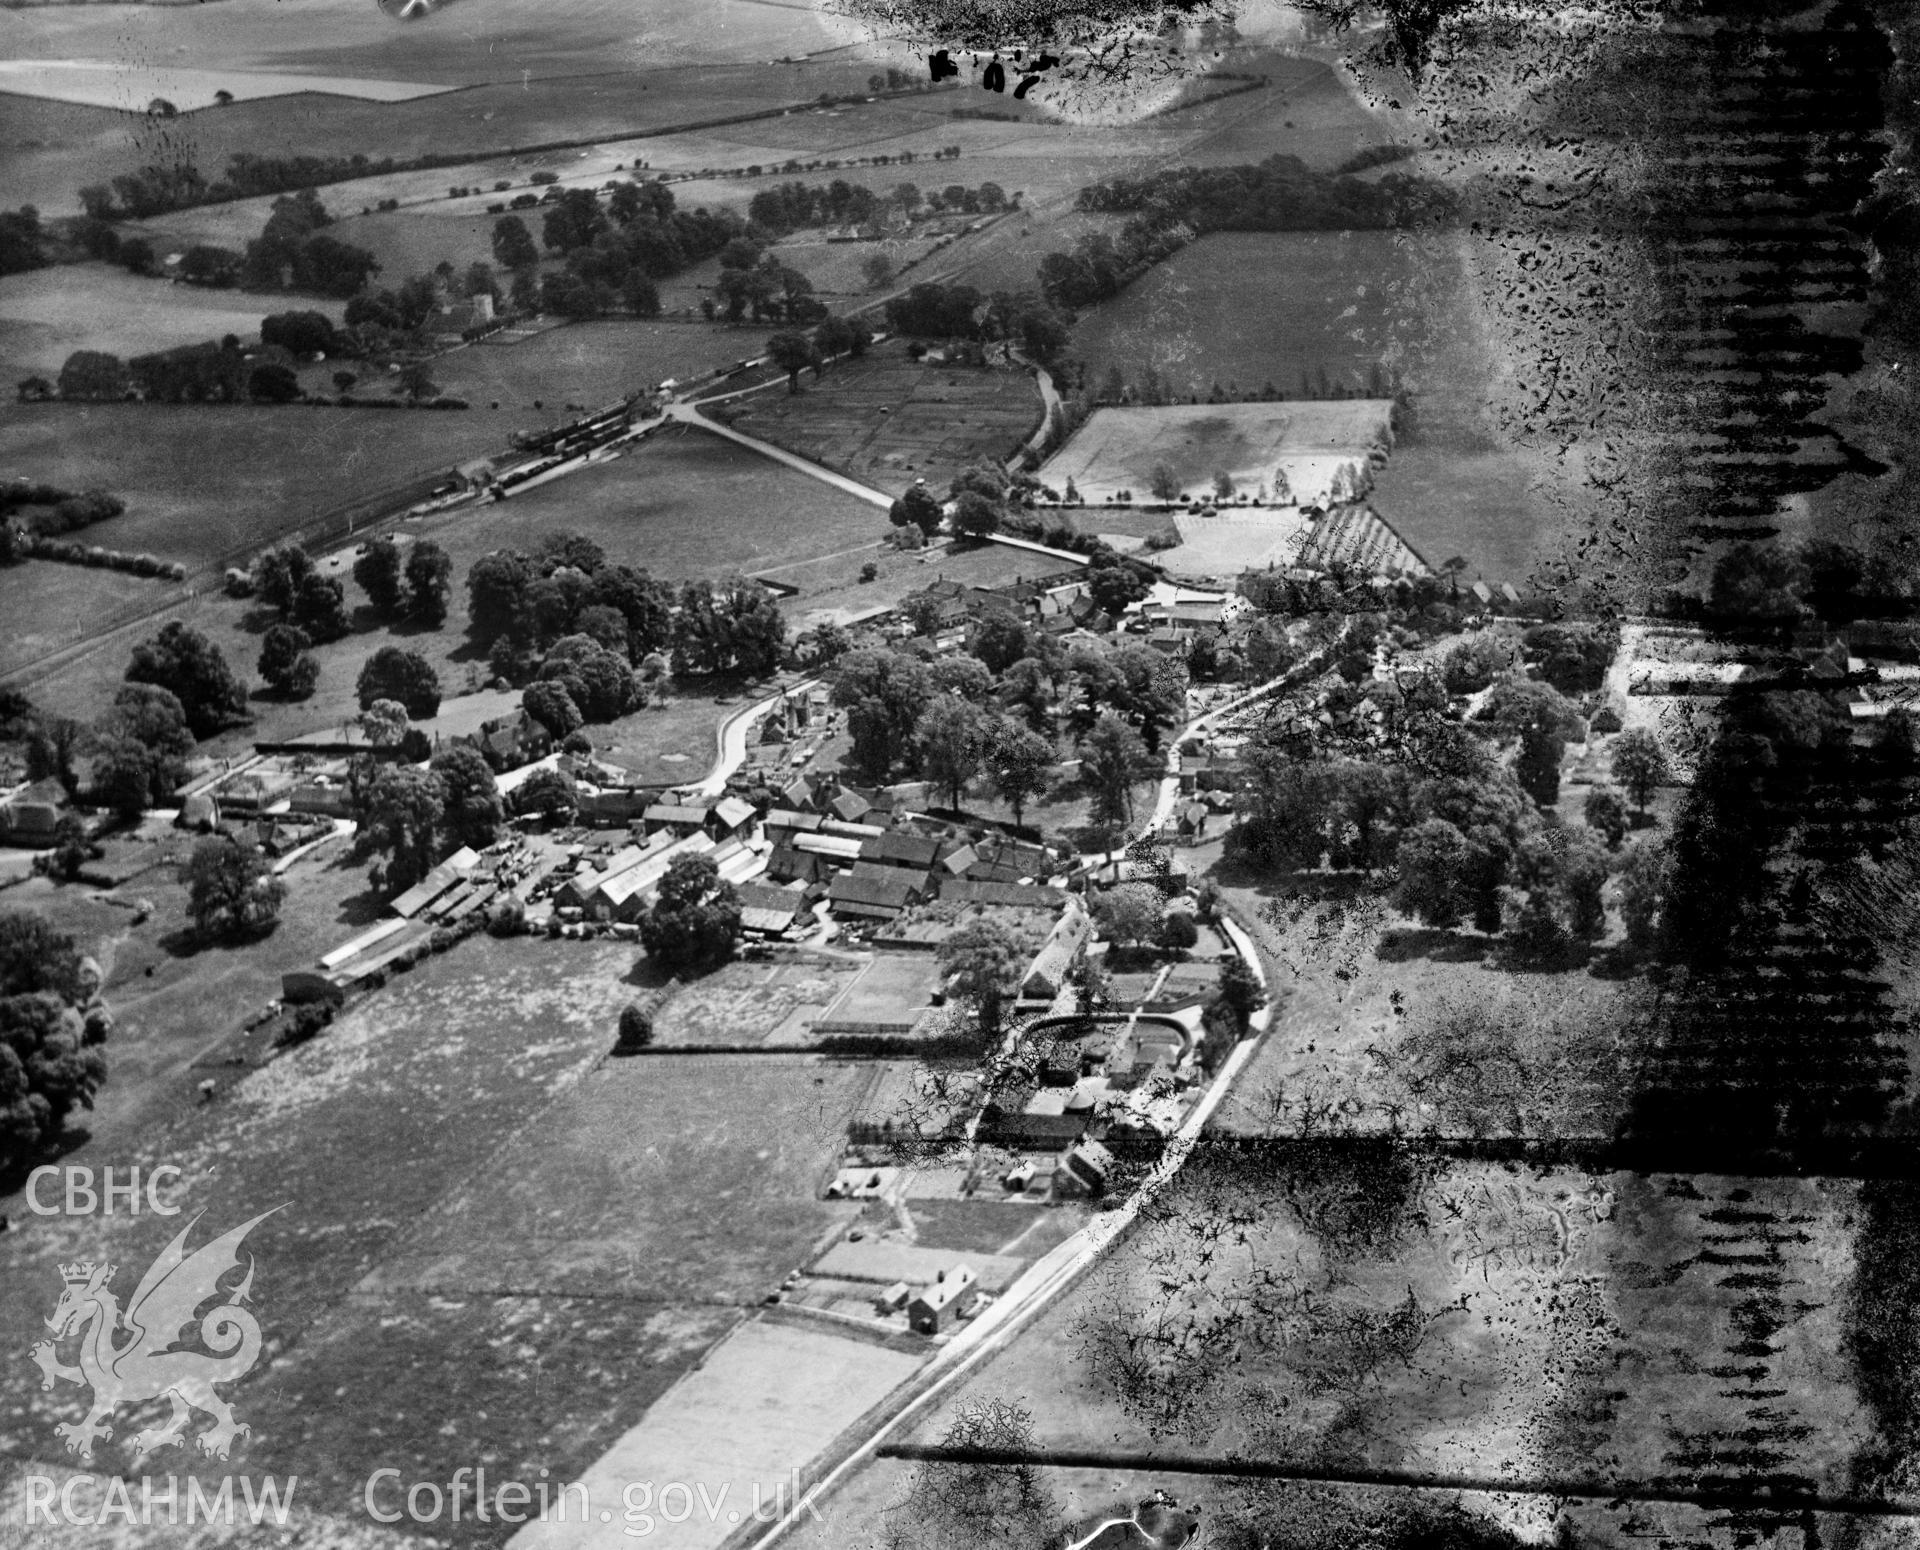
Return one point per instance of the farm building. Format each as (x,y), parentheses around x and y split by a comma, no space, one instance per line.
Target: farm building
(875,893)
(28,815)
(507,742)
(768,911)
(949,1298)
(902,850)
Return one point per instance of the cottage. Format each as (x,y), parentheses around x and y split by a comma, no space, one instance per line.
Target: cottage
(1088,1166)
(950,1298)
(1056,958)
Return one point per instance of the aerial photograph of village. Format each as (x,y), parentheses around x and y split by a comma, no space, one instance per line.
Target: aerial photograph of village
(847,775)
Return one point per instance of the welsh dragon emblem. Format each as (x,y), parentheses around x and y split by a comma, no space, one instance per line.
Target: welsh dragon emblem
(143,1366)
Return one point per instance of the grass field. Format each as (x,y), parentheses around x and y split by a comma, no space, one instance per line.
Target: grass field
(203,482)
(888,421)
(47,314)
(1243,309)
(688,1178)
(682,503)
(354,1133)
(1490,508)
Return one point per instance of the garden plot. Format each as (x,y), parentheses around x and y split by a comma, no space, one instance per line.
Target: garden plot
(754,1003)
(891,994)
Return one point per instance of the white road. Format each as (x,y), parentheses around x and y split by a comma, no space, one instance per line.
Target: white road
(689,414)
(732,736)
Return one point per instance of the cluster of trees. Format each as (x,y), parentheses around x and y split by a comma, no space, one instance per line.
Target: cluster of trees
(1020,318)
(999,710)
(232,893)
(394,675)
(523,605)
(194,671)
(416,587)
(285,578)
(1170,208)
(694,921)
(187,374)
(50,1037)
(48,509)
(614,254)
(1466,839)
(410,818)
(293,251)
(22,240)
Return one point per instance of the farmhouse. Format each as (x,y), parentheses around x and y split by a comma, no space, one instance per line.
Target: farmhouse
(951,1297)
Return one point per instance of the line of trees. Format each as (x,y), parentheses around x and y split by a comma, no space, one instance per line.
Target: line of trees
(1170,208)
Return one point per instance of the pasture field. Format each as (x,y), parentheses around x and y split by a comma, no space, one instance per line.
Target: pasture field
(766,1400)
(664,1178)
(681,504)
(1244,309)
(587,363)
(202,482)
(1491,507)
(172,1000)
(426,1383)
(1347,302)
(887,421)
(672,740)
(353,1134)
(47,314)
